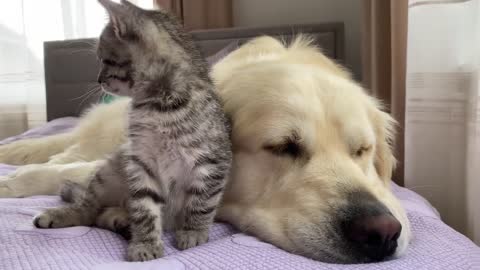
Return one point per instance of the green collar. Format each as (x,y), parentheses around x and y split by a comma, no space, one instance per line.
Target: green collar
(107,98)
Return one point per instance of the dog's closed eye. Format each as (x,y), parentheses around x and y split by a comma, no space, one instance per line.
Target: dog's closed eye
(289,147)
(362,150)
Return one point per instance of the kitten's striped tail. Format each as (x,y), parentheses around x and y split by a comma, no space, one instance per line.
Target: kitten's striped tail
(72,192)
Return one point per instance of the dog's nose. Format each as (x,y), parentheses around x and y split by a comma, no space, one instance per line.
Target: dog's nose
(375,236)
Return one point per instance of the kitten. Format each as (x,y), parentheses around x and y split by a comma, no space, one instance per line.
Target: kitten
(172,171)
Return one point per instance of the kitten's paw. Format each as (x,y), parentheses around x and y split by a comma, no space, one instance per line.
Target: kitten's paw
(53,218)
(140,252)
(189,239)
(115,219)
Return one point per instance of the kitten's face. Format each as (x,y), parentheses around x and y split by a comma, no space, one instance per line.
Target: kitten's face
(117,70)
(130,49)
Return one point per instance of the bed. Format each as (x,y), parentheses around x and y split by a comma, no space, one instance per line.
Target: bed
(434,246)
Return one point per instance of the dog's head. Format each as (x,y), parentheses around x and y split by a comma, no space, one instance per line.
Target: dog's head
(312,156)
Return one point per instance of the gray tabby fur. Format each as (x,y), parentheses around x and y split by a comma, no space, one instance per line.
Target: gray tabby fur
(172,171)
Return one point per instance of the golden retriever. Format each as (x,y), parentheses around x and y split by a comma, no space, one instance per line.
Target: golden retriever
(312,155)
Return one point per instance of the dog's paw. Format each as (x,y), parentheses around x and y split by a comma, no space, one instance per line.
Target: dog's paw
(188,239)
(140,252)
(13,186)
(7,188)
(53,218)
(29,180)
(15,153)
(6,191)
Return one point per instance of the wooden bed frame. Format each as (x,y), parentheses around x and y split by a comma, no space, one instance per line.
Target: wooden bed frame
(71,66)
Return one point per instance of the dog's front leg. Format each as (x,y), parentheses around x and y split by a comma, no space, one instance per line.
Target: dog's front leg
(45,179)
(34,151)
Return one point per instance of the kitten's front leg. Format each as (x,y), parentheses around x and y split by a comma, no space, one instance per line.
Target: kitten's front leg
(202,201)
(144,209)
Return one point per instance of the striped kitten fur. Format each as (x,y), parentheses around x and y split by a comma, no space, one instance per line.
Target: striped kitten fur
(172,171)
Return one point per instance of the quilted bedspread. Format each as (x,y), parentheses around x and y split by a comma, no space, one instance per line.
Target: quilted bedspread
(434,244)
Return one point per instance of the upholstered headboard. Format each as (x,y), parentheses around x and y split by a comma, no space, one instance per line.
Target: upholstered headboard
(71,66)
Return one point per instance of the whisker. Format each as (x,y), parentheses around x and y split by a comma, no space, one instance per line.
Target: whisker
(95,91)
(92,46)
(423,187)
(89,89)
(92,88)
(89,51)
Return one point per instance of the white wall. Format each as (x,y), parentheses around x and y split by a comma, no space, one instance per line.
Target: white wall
(281,12)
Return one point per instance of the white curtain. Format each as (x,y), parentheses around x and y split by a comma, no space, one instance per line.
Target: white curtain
(24,26)
(442,152)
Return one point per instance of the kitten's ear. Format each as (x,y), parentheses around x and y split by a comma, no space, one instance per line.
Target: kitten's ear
(120,17)
(130,5)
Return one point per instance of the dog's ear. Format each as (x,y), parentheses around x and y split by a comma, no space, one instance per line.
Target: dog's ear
(385,132)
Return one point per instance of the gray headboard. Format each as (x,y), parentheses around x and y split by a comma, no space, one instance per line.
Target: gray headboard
(71,66)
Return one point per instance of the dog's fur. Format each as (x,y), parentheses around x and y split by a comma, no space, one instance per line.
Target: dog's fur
(310,148)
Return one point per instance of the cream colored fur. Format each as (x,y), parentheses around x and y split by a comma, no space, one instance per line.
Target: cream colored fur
(268,90)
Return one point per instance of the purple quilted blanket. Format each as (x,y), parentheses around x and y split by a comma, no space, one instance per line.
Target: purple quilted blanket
(434,246)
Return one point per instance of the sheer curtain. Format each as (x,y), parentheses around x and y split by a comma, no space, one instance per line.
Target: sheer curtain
(24,26)
(442,109)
